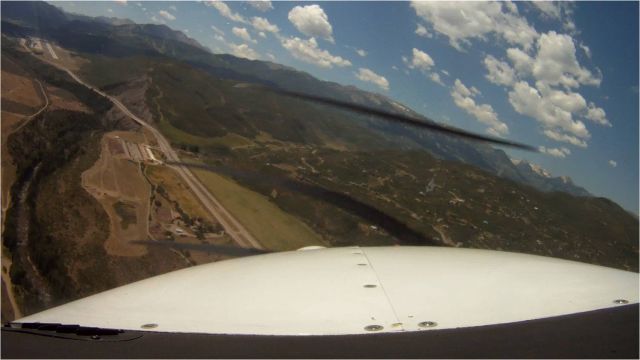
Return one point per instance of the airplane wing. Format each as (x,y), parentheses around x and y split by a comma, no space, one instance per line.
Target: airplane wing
(351,302)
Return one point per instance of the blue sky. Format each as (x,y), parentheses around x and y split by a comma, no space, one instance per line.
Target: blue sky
(560,76)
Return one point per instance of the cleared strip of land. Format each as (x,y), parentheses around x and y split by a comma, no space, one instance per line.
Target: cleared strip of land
(274,228)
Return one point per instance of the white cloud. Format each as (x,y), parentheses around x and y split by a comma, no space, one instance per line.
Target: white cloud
(217,30)
(243,34)
(561,137)
(435,77)
(500,72)
(261,5)
(548,8)
(463,21)
(172,7)
(555,152)
(167,15)
(511,7)
(597,115)
(444,72)
(521,61)
(420,60)
(554,102)
(225,11)
(586,50)
(556,63)
(271,57)
(528,101)
(422,31)
(613,163)
(262,34)
(570,26)
(244,51)
(560,11)
(312,21)
(484,113)
(361,52)
(394,67)
(110,10)
(262,24)
(308,51)
(369,76)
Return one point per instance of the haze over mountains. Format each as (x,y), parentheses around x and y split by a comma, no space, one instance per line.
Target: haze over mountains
(119,37)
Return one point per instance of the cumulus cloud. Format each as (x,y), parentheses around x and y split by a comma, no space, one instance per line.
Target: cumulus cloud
(243,34)
(555,152)
(500,72)
(261,5)
(361,52)
(613,163)
(528,101)
(419,60)
(167,15)
(244,51)
(548,9)
(556,62)
(422,31)
(308,51)
(367,75)
(262,24)
(597,115)
(312,21)
(435,77)
(463,97)
(225,11)
(552,100)
(463,21)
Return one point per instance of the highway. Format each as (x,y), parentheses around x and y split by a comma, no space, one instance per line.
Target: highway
(231,225)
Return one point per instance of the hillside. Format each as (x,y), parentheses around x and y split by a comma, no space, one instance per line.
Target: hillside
(440,202)
(111,38)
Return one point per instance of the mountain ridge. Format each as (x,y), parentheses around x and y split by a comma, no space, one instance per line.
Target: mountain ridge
(123,38)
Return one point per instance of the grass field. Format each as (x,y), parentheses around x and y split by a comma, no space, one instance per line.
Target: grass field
(182,137)
(274,228)
(169,180)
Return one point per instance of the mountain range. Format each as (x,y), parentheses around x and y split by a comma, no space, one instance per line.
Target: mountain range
(120,37)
